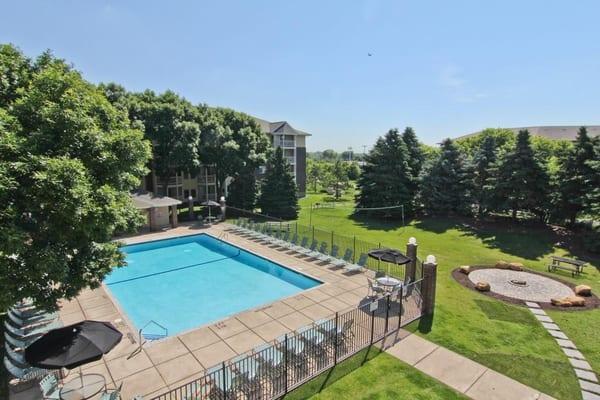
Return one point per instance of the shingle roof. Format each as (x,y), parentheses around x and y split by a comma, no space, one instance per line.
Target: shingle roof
(275,127)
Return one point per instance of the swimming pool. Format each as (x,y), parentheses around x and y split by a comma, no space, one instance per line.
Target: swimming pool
(189,281)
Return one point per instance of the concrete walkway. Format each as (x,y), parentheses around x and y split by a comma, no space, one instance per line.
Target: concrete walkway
(466,376)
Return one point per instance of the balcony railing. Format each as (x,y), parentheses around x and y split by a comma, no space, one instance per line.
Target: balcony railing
(285,143)
(207,179)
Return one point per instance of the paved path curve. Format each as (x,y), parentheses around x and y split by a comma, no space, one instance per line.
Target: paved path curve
(588,381)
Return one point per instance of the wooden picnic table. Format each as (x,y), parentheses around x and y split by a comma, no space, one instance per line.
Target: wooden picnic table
(566,264)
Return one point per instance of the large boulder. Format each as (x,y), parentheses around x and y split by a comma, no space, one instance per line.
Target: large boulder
(502,265)
(560,302)
(482,286)
(465,269)
(583,290)
(515,266)
(576,301)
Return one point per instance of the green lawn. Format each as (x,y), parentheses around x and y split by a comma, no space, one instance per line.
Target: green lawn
(501,336)
(372,374)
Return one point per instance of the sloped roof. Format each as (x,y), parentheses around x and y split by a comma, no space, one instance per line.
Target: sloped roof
(567,132)
(275,127)
(146,200)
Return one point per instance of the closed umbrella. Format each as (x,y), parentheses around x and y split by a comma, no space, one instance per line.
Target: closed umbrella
(210,203)
(73,345)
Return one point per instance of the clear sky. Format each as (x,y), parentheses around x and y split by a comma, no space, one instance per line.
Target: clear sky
(445,68)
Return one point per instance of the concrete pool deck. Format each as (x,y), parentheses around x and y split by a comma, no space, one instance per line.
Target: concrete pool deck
(174,361)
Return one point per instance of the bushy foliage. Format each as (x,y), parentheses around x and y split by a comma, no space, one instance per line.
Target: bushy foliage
(69,159)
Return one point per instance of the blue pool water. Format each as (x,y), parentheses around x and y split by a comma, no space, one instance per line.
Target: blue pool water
(189,281)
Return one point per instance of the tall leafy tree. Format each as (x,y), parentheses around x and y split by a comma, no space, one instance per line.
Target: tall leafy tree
(337,178)
(386,179)
(447,185)
(231,141)
(522,182)
(172,124)
(278,190)
(484,172)
(574,174)
(242,190)
(69,160)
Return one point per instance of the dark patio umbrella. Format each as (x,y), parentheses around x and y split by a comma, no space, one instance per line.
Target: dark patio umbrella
(390,256)
(73,345)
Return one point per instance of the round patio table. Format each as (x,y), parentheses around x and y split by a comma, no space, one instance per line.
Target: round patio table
(83,387)
(388,282)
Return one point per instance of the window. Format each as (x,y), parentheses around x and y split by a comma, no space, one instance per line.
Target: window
(194,193)
(186,193)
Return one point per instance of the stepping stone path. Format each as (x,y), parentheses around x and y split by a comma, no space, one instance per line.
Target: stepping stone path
(588,381)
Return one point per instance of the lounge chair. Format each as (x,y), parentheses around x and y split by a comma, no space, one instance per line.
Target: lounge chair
(374,288)
(359,266)
(314,252)
(112,395)
(17,357)
(312,248)
(283,240)
(328,257)
(21,333)
(23,374)
(322,254)
(345,260)
(300,247)
(49,387)
(38,319)
(292,242)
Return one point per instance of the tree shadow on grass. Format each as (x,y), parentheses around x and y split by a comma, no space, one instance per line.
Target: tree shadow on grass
(371,222)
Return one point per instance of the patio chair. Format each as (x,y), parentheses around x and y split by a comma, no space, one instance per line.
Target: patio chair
(408,289)
(49,387)
(324,257)
(345,331)
(379,274)
(359,266)
(283,240)
(374,288)
(112,395)
(345,260)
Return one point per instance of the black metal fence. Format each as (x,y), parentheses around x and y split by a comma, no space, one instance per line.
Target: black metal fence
(274,369)
(342,242)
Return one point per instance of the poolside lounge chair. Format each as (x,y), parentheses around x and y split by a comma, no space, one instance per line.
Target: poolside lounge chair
(322,254)
(25,321)
(23,374)
(21,333)
(359,266)
(315,253)
(345,260)
(292,242)
(312,248)
(49,387)
(374,288)
(283,240)
(331,256)
(17,357)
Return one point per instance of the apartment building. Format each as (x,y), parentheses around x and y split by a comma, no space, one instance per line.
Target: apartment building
(201,185)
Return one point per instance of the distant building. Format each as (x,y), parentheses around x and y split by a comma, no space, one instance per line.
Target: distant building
(553,132)
(202,185)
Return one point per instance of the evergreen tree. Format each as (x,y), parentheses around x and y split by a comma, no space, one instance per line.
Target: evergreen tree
(522,182)
(386,178)
(574,176)
(592,198)
(242,191)
(484,172)
(415,152)
(278,190)
(447,184)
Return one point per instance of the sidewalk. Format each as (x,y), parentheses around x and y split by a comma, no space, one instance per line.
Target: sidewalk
(466,376)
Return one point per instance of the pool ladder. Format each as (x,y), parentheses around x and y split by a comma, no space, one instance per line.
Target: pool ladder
(144,337)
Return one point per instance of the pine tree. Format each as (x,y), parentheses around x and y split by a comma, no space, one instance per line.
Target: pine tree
(575,173)
(483,174)
(592,197)
(278,190)
(386,178)
(415,152)
(447,184)
(522,182)
(242,191)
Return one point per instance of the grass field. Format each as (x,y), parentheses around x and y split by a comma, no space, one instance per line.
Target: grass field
(371,374)
(503,337)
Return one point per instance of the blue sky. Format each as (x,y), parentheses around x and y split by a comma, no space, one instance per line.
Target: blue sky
(445,68)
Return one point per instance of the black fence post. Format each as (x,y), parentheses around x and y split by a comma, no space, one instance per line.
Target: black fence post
(373,323)
(330,248)
(313,233)
(285,363)
(387,313)
(400,302)
(224,376)
(335,341)
(354,251)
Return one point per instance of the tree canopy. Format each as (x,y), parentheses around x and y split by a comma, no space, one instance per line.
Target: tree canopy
(69,159)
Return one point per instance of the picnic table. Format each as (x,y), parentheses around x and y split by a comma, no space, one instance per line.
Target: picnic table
(566,264)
